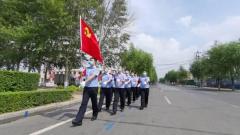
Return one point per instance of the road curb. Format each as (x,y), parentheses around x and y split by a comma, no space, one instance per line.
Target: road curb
(13,116)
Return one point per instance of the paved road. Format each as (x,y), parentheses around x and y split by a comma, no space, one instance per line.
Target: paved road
(171,111)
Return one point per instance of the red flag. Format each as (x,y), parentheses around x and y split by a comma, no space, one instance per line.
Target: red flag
(89,42)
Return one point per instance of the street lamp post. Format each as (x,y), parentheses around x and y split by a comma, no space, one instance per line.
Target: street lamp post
(66,83)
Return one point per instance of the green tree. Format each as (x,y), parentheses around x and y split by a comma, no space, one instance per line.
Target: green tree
(217,63)
(220,62)
(162,80)
(113,33)
(171,76)
(232,56)
(198,70)
(182,74)
(34,32)
(137,61)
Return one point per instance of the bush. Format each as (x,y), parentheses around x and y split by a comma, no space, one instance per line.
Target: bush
(60,87)
(73,88)
(15,101)
(190,82)
(187,82)
(18,81)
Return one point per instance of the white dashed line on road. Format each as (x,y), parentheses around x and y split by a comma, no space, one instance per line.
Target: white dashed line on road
(51,127)
(235,106)
(168,101)
(41,131)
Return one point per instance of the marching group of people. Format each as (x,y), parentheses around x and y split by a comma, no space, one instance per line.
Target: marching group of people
(115,84)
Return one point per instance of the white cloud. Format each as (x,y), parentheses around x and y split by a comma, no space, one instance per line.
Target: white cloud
(156,21)
(164,51)
(227,30)
(185,21)
(153,16)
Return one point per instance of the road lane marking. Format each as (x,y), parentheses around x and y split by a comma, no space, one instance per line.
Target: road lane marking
(235,106)
(41,131)
(168,101)
(51,127)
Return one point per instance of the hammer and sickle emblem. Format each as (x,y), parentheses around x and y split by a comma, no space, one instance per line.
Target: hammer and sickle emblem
(87,32)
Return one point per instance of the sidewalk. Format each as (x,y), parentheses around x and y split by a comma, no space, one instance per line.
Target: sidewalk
(13,116)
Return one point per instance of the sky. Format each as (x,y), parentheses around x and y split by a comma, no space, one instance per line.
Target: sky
(174,30)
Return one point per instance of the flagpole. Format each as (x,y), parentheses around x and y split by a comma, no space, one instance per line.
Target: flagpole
(80,38)
(80,31)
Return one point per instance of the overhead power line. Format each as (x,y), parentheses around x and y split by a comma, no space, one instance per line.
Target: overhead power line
(177,63)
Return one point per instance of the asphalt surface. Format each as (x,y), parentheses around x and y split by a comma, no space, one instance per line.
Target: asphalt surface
(171,111)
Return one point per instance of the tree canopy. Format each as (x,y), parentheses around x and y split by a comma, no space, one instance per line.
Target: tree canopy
(138,61)
(221,62)
(33,32)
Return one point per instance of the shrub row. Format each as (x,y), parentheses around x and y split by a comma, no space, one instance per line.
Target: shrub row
(18,81)
(15,101)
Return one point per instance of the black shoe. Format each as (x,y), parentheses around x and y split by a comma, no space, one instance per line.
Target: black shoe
(141,108)
(122,110)
(113,113)
(93,118)
(107,109)
(99,110)
(76,123)
(146,106)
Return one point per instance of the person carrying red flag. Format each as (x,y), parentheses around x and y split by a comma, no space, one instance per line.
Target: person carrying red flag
(89,45)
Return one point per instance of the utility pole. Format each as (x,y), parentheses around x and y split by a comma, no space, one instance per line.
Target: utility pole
(197,55)
(197,59)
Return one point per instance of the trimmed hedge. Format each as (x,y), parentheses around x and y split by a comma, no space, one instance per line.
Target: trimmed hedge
(18,81)
(15,101)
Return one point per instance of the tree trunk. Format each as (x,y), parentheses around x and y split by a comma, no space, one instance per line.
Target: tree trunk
(39,69)
(233,83)
(45,74)
(29,68)
(66,82)
(11,67)
(198,82)
(8,67)
(219,84)
(201,83)
(18,66)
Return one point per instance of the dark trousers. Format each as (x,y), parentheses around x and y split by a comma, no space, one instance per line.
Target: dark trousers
(138,92)
(105,92)
(118,93)
(129,95)
(88,92)
(144,97)
(134,93)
